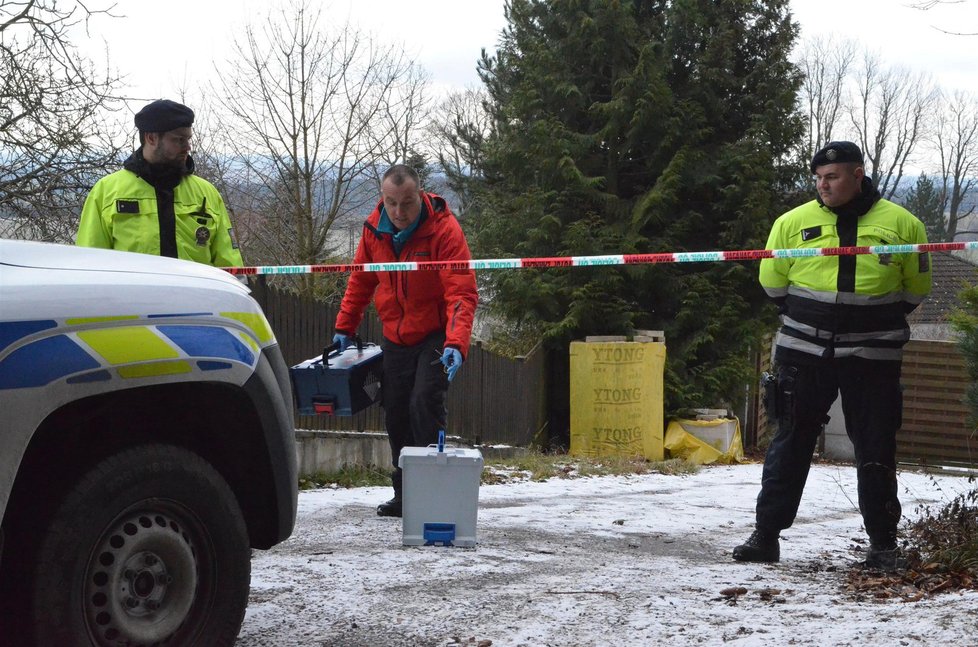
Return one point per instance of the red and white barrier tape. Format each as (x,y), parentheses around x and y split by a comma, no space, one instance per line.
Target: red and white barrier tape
(592,261)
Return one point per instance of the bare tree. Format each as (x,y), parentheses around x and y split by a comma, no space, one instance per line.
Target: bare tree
(54,139)
(956,143)
(824,96)
(310,112)
(406,108)
(927,5)
(458,132)
(889,118)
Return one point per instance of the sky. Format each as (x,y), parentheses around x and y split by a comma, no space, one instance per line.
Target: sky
(446,36)
(902,35)
(597,561)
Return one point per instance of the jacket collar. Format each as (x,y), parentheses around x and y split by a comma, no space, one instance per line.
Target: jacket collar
(159,176)
(385,226)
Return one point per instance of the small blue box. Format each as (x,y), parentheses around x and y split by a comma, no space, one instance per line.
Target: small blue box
(339,384)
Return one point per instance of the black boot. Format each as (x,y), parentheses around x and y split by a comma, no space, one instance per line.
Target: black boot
(761,546)
(390,508)
(885,557)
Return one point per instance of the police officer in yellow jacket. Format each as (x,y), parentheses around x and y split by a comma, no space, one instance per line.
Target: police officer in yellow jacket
(843,329)
(155,204)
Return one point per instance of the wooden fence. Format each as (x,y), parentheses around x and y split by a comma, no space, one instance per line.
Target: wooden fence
(498,400)
(492,400)
(935,428)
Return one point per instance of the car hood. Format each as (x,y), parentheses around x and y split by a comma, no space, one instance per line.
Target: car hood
(30,254)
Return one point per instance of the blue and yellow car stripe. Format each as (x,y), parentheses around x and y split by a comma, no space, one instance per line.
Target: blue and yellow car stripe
(153,346)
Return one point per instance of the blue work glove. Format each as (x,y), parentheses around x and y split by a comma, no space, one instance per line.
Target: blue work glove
(451,359)
(342,340)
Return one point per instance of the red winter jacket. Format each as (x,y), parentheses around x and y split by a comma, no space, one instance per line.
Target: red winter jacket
(412,305)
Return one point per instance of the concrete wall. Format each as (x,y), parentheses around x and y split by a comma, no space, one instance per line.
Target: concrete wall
(329,451)
(837,445)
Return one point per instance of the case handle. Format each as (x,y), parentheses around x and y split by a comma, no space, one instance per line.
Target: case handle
(335,346)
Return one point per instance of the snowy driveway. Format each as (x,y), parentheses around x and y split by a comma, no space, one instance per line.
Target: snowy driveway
(639,560)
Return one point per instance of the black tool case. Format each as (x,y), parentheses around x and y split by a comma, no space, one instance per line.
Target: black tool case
(338,384)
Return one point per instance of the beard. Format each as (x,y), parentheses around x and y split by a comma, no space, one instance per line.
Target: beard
(159,158)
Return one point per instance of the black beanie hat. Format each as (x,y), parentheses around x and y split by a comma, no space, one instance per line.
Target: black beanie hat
(163,116)
(836,153)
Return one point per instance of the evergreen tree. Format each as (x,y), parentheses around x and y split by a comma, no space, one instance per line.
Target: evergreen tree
(636,126)
(419,162)
(926,201)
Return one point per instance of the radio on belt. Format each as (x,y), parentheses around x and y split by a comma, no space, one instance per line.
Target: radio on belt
(338,384)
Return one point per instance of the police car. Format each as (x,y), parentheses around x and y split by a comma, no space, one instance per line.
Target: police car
(146,446)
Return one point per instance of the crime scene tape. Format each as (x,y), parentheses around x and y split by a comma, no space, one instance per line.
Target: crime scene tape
(593,261)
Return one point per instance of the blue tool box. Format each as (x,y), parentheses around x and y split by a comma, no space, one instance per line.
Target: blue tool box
(338,384)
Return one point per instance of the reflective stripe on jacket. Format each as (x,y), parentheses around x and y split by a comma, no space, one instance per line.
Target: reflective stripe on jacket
(412,305)
(121,212)
(846,306)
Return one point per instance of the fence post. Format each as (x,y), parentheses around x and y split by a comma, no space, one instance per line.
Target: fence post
(259,290)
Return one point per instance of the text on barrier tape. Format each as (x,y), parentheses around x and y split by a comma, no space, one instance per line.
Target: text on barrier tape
(593,261)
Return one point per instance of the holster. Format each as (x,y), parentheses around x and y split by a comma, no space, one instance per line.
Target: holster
(769,394)
(778,395)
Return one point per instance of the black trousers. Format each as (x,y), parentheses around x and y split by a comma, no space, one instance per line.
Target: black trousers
(872,403)
(413,396)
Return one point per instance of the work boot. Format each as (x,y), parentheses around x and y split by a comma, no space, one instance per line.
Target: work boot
(761,546)
(390,508)
(885,557)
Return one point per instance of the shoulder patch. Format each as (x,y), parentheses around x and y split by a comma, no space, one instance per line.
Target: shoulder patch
(127,206)
(811,232)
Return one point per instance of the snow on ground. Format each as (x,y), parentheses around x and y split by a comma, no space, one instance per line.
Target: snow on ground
(630,560)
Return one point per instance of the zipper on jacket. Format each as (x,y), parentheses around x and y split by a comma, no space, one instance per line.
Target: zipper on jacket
(400,280)
(848,231)
(394,279)
(167,221)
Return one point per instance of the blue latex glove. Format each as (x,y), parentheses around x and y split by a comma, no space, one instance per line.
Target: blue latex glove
(342,340)
(451,359)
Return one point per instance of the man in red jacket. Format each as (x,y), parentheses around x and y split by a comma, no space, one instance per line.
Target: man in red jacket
(426,315)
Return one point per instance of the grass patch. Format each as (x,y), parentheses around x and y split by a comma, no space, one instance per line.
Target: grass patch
(531,466)
(946,539)
(941,548)
(535,466)
(349,476)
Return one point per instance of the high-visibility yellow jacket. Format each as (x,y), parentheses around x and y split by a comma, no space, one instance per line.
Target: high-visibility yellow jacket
(124,212)
(845,306)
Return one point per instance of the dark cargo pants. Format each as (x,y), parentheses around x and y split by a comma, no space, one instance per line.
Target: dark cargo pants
(413,396)
(872,404)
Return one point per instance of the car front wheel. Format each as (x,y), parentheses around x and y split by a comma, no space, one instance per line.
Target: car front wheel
(149,548)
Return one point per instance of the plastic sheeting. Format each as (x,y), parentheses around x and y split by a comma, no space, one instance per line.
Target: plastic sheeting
(705,441)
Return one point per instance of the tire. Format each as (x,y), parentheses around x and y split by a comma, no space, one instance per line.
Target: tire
(148,549)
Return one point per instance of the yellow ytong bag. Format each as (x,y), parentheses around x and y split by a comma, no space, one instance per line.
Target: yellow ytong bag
(616,398)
